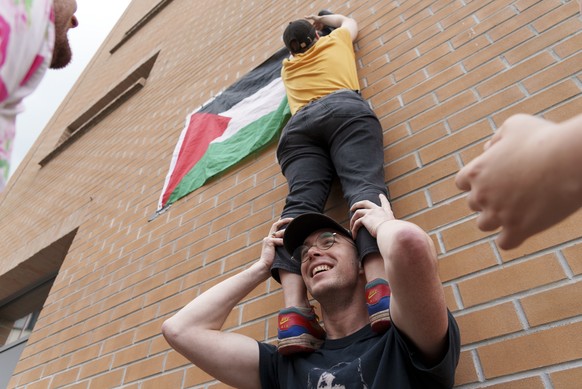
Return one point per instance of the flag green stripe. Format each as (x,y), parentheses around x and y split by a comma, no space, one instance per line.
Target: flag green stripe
(223,155)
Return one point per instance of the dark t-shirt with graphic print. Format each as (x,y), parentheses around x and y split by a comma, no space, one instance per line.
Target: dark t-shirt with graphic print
(363,360)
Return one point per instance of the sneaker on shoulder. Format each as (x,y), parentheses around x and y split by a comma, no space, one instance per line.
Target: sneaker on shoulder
(299,331)
(378,300)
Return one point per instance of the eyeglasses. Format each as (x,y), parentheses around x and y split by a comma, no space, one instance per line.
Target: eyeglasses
(324,241)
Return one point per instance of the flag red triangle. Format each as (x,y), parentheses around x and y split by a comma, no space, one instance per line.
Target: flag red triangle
(202,129)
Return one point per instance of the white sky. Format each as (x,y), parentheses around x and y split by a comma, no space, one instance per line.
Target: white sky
(96,19)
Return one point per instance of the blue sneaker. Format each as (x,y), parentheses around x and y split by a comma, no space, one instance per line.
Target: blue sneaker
(299,331)
(378,300)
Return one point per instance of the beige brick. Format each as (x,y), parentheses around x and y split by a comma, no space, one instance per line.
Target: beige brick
(400,167)
(419,89)
(492,51)
(441,214)
(521,52)
(108,380)
(573,255)
(465,373)
(529,351)
(488,323)
(489,17)
(415,141)
(457,56)
(118,342)
(450,299)
(523,19)
(486,107)
(553,305)
(392,135)
(565,111)
(195,376)
(149,330)
(567,379)
(569,46)
(408,111)
(443,190)
(525,383)
(175,360)
(254,192)
(83,355)
(516,74)
(171,380)
(467,80)
(384,107)
(449,144)
(553,74)
(407,205)
(44,383)
(130,354)
(470,260)
(510,280)
(423,176)
(539,102)
(65,378)
(255,330)
(444,110)
(462,234)
(30,375)
(561,232)
(259,308)
(96,366)
(144,368)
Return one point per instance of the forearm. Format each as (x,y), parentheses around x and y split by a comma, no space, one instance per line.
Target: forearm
(210,309)
(195,332)
(335,20)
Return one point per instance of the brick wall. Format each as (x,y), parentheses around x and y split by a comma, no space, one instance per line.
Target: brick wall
(441,75)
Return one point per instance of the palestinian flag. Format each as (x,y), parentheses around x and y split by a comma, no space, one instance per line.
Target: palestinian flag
(242,119)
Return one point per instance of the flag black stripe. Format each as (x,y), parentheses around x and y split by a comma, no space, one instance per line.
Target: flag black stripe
(249,84)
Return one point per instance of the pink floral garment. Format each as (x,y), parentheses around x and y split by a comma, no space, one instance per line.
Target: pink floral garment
(26,46)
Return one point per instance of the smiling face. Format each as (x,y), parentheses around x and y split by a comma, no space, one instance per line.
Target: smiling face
(327,270)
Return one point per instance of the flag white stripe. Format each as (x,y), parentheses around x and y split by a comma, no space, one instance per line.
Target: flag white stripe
(252,108)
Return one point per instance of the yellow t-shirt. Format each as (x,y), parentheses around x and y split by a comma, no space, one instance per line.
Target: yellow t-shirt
(328,66)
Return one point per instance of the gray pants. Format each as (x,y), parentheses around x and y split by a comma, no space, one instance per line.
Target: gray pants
(335,135)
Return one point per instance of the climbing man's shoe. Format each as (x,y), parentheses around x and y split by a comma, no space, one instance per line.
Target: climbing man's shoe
(299,331)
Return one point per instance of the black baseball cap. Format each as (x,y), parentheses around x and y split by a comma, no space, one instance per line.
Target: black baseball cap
(299,36)
(304,225)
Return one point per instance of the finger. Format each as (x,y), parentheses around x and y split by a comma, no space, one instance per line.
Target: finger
(462,179)
(355,228)
(355,222)
(356,215)
(280,223)
(487,221)
(363,204)
(473,202)
(509,239)
(277,241)
(278,234)
(384,203)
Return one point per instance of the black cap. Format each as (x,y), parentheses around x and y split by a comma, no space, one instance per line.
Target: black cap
(304,225)
(299,36)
